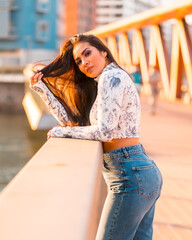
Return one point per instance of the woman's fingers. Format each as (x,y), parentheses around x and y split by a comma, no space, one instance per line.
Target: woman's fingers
(36,78)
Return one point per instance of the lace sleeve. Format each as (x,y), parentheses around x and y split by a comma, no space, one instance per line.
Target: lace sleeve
(55,107)
(109,98)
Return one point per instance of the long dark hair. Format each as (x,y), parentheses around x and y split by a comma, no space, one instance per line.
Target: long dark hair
(73,89)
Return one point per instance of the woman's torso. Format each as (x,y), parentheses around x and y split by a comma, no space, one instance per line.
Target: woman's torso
(129,107)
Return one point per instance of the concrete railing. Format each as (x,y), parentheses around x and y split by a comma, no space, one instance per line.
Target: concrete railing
(58,195)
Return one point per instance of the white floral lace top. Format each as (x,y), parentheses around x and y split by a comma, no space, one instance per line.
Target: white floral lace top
(114,114)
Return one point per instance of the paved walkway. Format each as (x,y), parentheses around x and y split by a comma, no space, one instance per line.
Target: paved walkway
(167,138)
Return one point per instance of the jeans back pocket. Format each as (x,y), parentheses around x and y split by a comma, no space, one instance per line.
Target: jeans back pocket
(148,180)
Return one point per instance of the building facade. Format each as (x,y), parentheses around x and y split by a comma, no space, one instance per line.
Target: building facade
(33,30)
(28,32)
(77,16)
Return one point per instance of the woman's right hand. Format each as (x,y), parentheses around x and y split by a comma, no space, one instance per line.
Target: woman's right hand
(35,78)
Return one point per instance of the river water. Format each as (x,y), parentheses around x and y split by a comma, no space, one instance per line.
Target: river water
(18,143)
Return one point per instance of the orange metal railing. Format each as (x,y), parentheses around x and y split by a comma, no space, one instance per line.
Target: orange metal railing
(130,46)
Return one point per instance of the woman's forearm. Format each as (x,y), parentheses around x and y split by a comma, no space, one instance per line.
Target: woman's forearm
(54,106)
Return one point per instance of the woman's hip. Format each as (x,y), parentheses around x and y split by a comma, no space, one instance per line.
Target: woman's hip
(129,169)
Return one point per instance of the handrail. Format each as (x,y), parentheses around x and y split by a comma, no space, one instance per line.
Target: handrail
(58,195)
(129,47)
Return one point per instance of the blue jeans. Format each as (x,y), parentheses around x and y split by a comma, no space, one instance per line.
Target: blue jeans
(134,183)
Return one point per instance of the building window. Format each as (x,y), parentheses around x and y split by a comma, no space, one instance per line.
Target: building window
(5,19)
(42,31)
(42,6)
(7,28)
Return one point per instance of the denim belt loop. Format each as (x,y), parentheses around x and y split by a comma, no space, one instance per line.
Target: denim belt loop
(125,152)
(143,149)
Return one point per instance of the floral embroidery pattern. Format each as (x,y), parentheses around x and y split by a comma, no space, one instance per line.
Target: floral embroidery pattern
(52,103)
(114,114)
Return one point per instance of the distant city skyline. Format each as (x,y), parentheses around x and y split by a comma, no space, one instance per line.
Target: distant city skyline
(34,30)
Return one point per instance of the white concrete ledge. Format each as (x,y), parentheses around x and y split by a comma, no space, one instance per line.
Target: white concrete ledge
(58,195)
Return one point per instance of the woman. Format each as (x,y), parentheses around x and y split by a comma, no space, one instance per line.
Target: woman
(93,98)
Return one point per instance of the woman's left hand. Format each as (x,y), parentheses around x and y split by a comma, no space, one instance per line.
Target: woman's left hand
(49,133)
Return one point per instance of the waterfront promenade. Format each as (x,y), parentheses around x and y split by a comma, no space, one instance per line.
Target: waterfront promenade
(167,139)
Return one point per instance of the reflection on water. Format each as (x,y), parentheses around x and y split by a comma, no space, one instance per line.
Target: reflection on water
(18,143)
